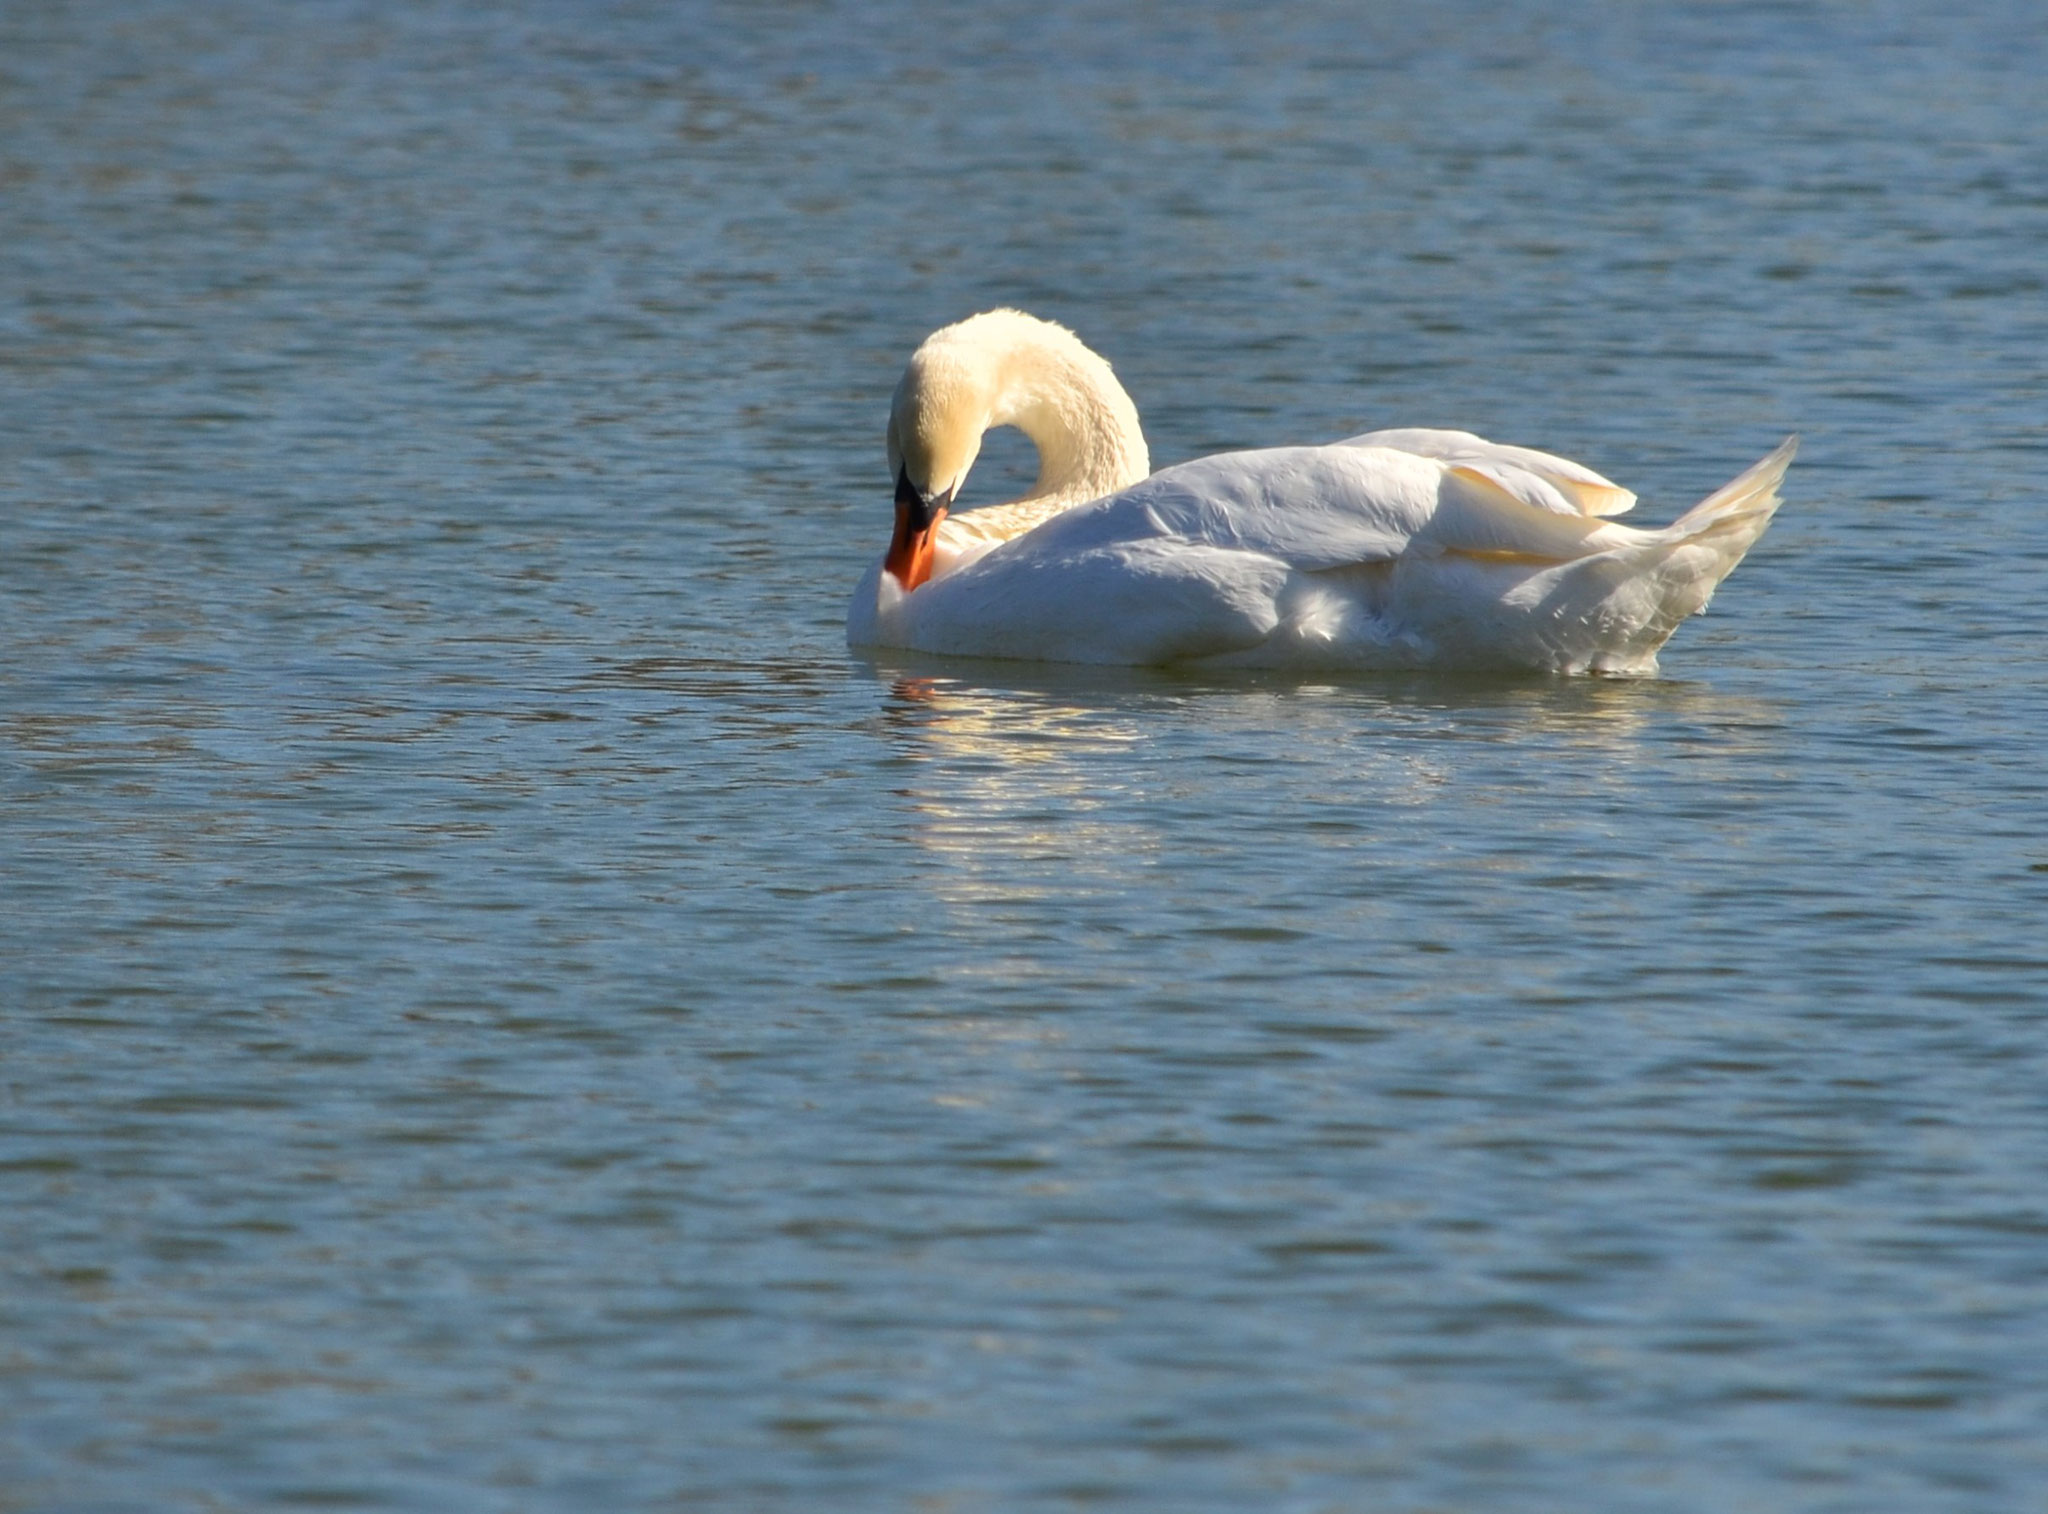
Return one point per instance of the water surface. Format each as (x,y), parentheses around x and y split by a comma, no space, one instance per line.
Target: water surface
(502,1012)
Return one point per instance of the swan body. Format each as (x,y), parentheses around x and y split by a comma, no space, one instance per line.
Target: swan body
(1406,548)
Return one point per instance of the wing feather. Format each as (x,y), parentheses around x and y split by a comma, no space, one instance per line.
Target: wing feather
(1308,507)
(1536,478)
(1316,508)
(1475,515)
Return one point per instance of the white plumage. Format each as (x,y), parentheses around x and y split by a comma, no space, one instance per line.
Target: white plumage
(1408,548)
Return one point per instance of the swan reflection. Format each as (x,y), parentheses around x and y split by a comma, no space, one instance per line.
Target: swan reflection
(1059,818)
(1101,767)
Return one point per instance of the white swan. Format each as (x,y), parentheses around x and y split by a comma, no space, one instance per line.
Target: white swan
(1393,549)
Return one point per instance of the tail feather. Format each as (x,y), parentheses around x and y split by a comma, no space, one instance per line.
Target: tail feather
(1752,495)
(1621,606)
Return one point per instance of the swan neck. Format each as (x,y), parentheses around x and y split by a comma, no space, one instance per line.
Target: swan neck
(1078,417)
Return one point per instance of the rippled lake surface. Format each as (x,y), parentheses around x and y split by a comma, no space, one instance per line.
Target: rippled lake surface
(499,1011)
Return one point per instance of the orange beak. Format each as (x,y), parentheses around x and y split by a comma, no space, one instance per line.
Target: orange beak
(917,527)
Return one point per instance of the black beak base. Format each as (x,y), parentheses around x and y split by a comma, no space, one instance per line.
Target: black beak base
(919,509)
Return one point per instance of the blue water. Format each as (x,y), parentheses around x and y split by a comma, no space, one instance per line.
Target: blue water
(499,1011)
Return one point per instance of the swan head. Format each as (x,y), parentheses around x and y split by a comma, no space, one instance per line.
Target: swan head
(1002,368)
(942,407)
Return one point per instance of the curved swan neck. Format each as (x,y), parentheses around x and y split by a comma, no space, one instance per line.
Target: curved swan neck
(1068,401)
(1006,368)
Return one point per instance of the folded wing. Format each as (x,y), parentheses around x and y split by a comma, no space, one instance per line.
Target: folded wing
(1316,508)
(1556,484)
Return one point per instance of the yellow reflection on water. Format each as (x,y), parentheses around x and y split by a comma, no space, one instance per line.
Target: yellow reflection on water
(1090,773)
(1022,776)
